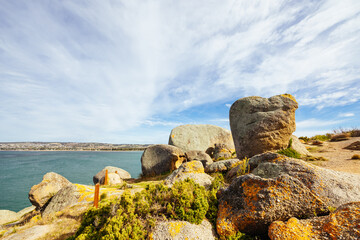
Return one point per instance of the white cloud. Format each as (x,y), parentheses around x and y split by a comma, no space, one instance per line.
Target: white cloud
(349,114)
(87,69)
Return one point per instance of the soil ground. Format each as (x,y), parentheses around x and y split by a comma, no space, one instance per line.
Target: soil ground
(339,158)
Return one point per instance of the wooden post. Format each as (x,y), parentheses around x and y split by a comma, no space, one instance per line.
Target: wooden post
(106,177)
(96,195)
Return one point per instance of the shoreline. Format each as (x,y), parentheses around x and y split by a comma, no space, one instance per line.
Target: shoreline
(48,150)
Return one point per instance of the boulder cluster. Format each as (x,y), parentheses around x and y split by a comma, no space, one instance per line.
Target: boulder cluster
(266,194)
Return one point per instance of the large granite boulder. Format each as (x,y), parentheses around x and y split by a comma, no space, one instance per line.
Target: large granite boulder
(179,230)
(333,187)
(251,203)
(201,156)
(280,188)
(67,196)
(343,223)
(262,124)
(52,182)
(193,170)
(222,166)
(100,176)
(200,137)
(158,159)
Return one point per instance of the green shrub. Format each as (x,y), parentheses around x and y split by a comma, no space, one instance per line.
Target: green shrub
(131,216)
(289,152)
(325,137)
(216,184)
(305,139)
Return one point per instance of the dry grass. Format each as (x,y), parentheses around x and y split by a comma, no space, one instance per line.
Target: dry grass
(355,157)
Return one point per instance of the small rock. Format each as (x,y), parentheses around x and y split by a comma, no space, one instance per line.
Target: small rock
(343,223)
(221,166)
(193,170)
(299,147)
(158,159)
(52,182)
(201,156)
(261,124)
(100,176)
(180,230)
(7,216)
(222,151)
(353,146)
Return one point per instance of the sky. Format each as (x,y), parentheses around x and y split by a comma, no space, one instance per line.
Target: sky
(130,71)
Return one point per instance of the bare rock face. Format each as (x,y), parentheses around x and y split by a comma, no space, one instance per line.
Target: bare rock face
(261,124)
(193,170)
(251,203)
(67,196)
(201,156)
(200,137)
(333,187)
(343,223)
(179,230)
(158,159)
(52,182)
(100,176)
(7,216)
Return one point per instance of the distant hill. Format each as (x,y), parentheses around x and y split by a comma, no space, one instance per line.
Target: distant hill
(69,146)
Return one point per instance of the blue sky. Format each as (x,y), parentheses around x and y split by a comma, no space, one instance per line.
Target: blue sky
(130,71)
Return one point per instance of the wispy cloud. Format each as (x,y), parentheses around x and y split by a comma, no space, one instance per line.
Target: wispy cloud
(82,69)
(349,114)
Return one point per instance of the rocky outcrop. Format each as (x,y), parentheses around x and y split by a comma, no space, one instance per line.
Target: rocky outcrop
(199,137)
(158,159)
(251,203)
(67,196)
(280,188)
(179,230)
(201,156)
(299,146)
(221,166)
(7,216)
(100,176)
(343,223)
(52,182)
(32,233)
(193,170)
(261,124)
(333,187)
(241,168)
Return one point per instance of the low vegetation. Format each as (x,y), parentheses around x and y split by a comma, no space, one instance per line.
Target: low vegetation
(289,152)
(356,156)
(337,135)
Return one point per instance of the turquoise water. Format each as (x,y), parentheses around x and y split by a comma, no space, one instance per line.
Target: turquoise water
(20,170)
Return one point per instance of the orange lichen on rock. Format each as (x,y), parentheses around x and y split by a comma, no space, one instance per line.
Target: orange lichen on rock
(344,223)
(225,224)
(289,96)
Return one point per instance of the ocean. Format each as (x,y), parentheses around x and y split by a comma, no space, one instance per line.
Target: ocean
(20,170)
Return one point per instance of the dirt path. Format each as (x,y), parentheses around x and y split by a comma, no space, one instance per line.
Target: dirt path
(339,158)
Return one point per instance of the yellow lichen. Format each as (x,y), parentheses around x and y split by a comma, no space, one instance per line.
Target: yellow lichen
(289,96)
(293,229)
(175,228)
(193,168)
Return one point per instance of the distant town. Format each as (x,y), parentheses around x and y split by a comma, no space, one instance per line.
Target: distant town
(69,146)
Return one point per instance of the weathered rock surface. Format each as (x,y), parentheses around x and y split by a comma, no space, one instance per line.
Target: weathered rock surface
(251,203)
(222,151)
(33,233)
(158,159)
(353,146)
(200,137)
(201,156)
(221,166)
(241,168)
(181,230)
(343,223)
(7,216)
(299,146)
(333,187)
(261,124)
(67,196)
(193,170)
(52,182)
(100,176)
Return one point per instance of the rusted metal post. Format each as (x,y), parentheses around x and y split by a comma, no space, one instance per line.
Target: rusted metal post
(96,195)
(106,177)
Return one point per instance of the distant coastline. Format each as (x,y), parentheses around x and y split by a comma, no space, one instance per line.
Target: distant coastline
(70,146)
